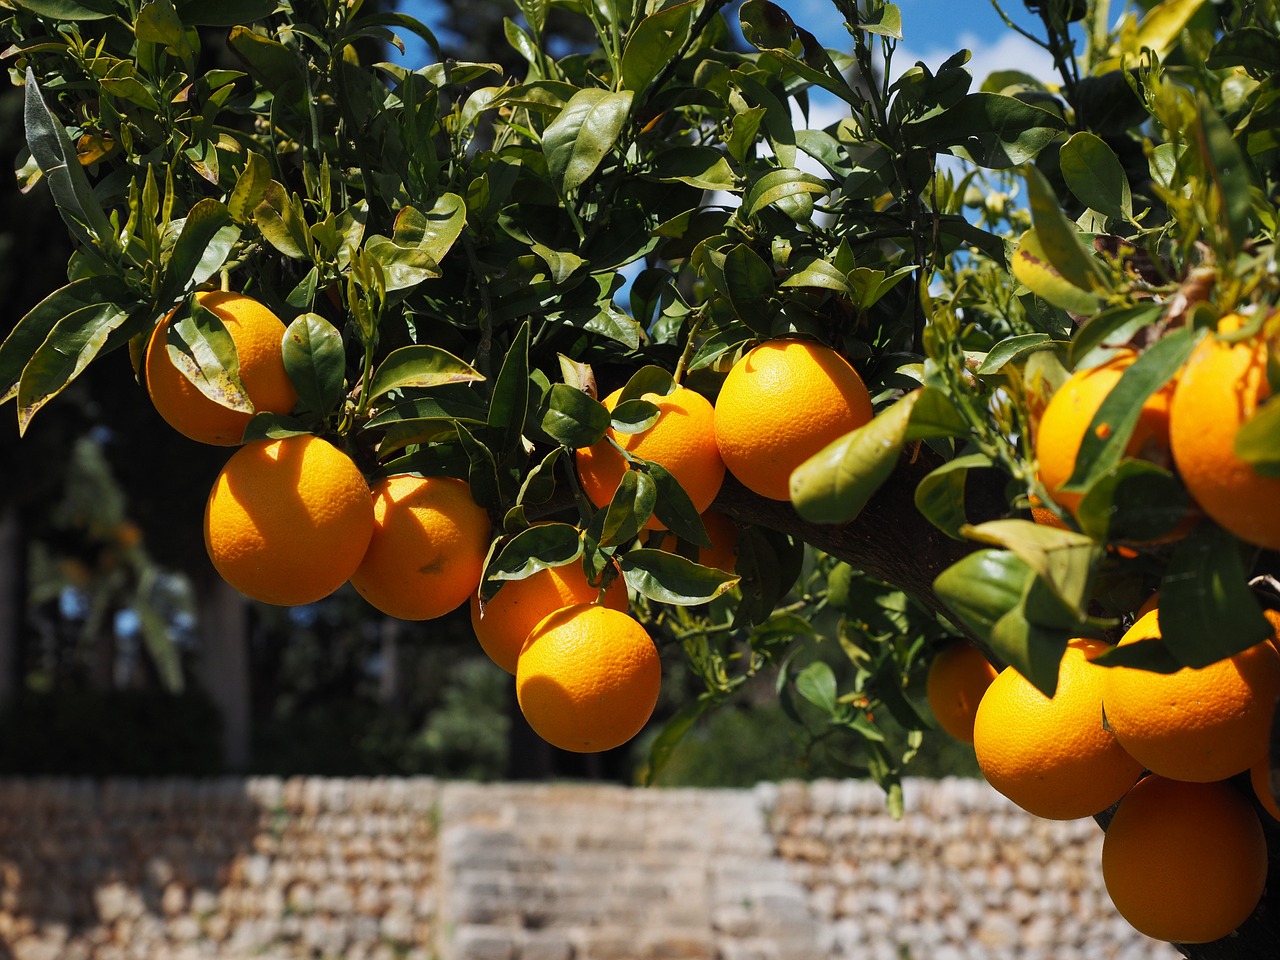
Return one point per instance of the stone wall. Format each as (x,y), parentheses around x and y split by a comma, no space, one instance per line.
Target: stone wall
(425,870)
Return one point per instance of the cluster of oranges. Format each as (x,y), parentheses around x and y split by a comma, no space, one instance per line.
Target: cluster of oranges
(1184,857)
(291,520)
(1189,424)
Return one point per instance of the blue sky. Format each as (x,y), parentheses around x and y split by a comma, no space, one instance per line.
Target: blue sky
(933,30)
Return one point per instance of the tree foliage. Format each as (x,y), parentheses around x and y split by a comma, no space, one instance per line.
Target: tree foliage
(466,253)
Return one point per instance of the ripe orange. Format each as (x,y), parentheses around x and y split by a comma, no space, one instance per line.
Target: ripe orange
(682,439)
(1184,862)
(1061,428)
(508,618)
(427,552)
(958,676)
(588,678)
(1260,779)
(1201,725)
(1052,756)
(287,521)
(782,403)
(723,552)
(258,334)
(1219,388)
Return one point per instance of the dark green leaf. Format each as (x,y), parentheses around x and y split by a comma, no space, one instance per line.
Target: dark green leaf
(982,588)
(1257,441)
(767,27)
(271,64)
(1117,325)
(654,43)
(675,510)
(584,132)
(630,509)
(1066,561)
(835,484)
(940,495)
(1226,168)
(52,150)
(572,418)
(274,426)
(224,13)
(1108,433)
(990,129)
(749,286)
(250,189)
(1095,175)
(158,22)
(1207,610)
(669,737)
(779,185)
(73,342)
(817,684)
(33,329)
(206,240)
(539,485)
(316,362)
(200,346)
(1137,501)
(670,578)
(69,9)
(1034,651)
(420,365)
(703,167)
(510,397)
(482,471)
(540,547)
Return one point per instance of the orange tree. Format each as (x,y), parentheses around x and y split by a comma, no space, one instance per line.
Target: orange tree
(466,257)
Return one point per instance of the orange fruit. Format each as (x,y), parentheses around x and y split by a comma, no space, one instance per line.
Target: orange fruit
(427,553)
(682,439)
(588,678)
(723,552)
(1219,388)
(782,403)
(1044,516)
(510,616)
(1184,862)
(1260,780)
(958,676)
(1202,725)
(1052,756)
(258,334)
(1061,428)
(287,521)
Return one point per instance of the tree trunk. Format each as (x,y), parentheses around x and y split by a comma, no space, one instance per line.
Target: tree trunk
(224,665)
(892,541)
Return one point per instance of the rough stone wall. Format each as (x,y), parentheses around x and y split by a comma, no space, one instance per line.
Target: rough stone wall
(423,870)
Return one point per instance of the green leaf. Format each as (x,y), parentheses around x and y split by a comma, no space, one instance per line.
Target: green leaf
(420,365)
(779,185)
(817,684)
(1034,651)
(1137,502)
(272,65)
(316,362)
(934,416)
(572,418)
(281,219)
(1010,349)
(52,149)
(158,22)
(1116,325)
(887,22)
(582,134)
(539,484)
(1253,48)
(982,588)
(510,397)
(540,547)
(1108,433)
(650,378)
(69,9)
(33,330)
(767,27)
(1257,441)
(674,509)
(482,471)
(940,495)
(990,129)
(1031,266)
(670,578)
(654,43)
(73,342)
(664,744)
(1228,171)
(835,484)
(633,416)
(749,286)
(703,167)
(1059,238)
(1207,610)
(274,426)
(630,509)
(250,189)
(1095,175)
(207,238)
(200,346)
(1066,561)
